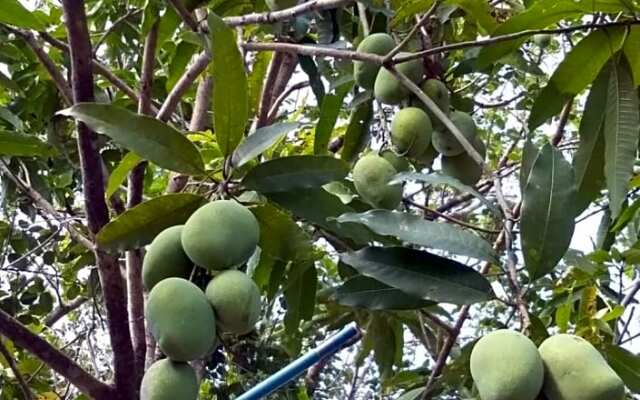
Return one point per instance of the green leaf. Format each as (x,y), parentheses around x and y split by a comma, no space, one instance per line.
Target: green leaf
(319,207)
(300,295)
(408,9)
(364,292)
(280,237)
(385,336)
(529,155)
(548,103)
(632,52)
(139,225)
(119,174)
(479,11)
(23,146)
(329,112)
(440,179)
(621,124)
(256,79)
(5,229)
(296,172)
(421,274)
(414,229)
(230,93)
(626,365)
(357,135)
(414,394)
(625,217)
(546,225)
(150,138)
(583,63)
(588,162)
(259,141)
(13,13)
(541,14)
(315,80)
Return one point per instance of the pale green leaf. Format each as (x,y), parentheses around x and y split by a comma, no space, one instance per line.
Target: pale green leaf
(259,141)
(119,174)
(12,12)
(23,146)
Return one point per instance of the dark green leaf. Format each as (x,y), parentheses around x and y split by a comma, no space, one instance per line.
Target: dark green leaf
(529,154)
(300,294)
(13,13)
(315,80)
(146,136)
(364,292)
(230,94)
(547,225)
(621,124)
(296,172)
(480,11)
(589,159)
(416,230)
(626,365)
(256,79)
(548,103)
(119,174)
(23,146)
(259,141)
(329,112)
(409,8)
(421,274)
(139,225)
(357,135)
(280,237)
(440,179)
(632,52)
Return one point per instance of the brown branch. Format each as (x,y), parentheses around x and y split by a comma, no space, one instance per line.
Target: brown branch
(275,16)
(94,198)
(54,358)
(200,118)
(448,217)
(62,310)
(24,386)
(268,88)
(184,83)
(564,118)
(313,51)
(273,113)
(286,71)
(185,14)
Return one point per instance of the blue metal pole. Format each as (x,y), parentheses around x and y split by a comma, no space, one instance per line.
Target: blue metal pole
(296,368)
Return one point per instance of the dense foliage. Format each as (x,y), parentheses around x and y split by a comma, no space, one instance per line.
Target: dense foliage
(120,119)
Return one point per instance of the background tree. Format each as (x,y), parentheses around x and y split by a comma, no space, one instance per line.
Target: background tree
(119,119)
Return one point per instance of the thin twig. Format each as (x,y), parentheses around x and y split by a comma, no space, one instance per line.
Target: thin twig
(114,26)
(362,13)
(412,32)
(278,102)
(449,218)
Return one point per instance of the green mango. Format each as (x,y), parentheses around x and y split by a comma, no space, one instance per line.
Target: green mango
(463,167)
(365,73)
(446,143)
(389,90)
(169,380)
(371,176)
(438,92)
(575,370)
(399,163)
(411,131)
(236,301)
(220,235)
(506,365)
(426,159)
(165,258)
(181,319)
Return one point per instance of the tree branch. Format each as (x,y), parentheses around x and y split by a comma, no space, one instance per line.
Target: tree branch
(276,16)
(94,198)
(62,310)
(24,386)
(267,90)
(57,360)
(416,27)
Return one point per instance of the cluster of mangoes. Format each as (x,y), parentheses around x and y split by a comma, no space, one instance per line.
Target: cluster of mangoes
(183,318)
(416,132)
(506,365)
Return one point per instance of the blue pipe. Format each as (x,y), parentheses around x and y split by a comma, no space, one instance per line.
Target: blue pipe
(348,335)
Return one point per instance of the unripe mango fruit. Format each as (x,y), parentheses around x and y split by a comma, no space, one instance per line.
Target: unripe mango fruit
(390,90)
(220,235)
(277,5)
(399,163)
(446,143)
(438,92)
(169,380)
(236,301)
(575,370)
(371,176)
(165,258)
(365,73)
(181,319)
(427,158)
(463,167)
(506,365)
(411,131)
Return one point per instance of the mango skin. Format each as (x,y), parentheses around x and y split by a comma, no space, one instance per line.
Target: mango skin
(220,235)
(371,176)
(411,131)
(575,370)
(277,5)
(165,258)
(181,319)
(447,144)
(506,365)
(365,73)
(463,167)
(399,163)
(236,301)
(388,90)
(168,380)
(438,92)
(426,159)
